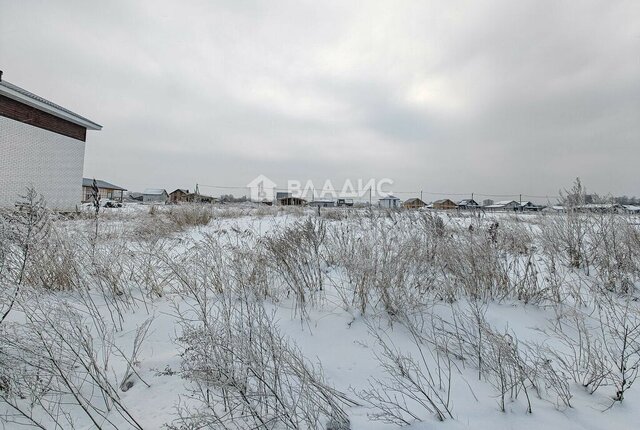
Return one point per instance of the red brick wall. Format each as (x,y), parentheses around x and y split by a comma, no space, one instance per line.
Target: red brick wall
(29,115)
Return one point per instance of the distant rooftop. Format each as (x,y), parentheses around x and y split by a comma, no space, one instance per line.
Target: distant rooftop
(20,94)
(154,191)
(468,202)
(443,201)
(88,182)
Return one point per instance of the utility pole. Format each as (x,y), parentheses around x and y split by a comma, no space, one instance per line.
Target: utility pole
(520,208)
(369,197)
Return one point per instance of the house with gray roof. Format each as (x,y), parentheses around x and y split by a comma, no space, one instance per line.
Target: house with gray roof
(504,205)
(468,204)
(155,195)
(530,207)
(389,202)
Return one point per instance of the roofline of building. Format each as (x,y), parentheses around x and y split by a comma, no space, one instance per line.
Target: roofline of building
(101,184)
(23,96)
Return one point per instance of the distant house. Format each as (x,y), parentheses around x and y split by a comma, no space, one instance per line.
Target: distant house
(322,203)
(42,145)
(282,194)
(344,202)
(554,209)
(468,204)
(182,195)
(487,202)
(292,201)
(504,205)
(389,202)
(530,207)
(413,203)
(155,195)
(444,204)
(179,195)
(105,190)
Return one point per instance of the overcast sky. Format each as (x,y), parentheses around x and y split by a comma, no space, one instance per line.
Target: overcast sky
(491,97)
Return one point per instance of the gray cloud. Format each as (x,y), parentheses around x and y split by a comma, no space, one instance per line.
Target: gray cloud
(499,97)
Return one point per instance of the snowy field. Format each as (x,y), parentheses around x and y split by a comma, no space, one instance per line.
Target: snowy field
(248,317)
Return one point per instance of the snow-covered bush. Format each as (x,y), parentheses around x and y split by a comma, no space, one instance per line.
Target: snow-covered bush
(379,263)
(439,281)
(246,374)
(464,334)
(409,387)
(295,254)
(53,370)
(190,215)
(616,252)
(23,228)
(56,261)
(620,327)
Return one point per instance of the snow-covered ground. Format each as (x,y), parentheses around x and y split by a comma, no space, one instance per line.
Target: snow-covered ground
(408,282)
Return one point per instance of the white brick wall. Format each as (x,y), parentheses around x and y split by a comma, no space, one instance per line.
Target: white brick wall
(51,162)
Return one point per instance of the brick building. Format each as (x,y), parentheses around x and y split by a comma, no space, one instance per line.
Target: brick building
(41,145)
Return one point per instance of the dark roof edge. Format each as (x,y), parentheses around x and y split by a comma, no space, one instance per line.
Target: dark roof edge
(20,94)
(88,182)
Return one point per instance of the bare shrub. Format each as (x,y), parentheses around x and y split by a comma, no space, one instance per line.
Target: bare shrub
(409,386)
(581,353)
(152,228)
(548,377)
(334,214)
(57,366)
(620,326)
(615,252)
(572,231)
(152,267)
(56,262)
(5,245)
(377,263)
(248,375)
(226,261)
(349,254)
(507,370)
(498,357)
(24,228)
(130,375)
(247,265)
(296,256)
(474,267)
(190,215)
